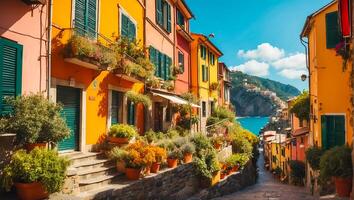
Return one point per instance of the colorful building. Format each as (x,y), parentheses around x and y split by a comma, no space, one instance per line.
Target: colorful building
(224,84)
(23,49)
(329,77)
(204,76)
(278,158)
(93,99)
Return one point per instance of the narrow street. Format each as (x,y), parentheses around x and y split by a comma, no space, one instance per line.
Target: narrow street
(269,188)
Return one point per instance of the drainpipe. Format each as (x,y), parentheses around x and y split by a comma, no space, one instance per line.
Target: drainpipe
(49,41)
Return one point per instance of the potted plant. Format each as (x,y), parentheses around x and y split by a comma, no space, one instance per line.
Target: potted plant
(207,167)
(313,157)
(277,172)
(214,86)
(188,150)
(134,161)
(35,174)
(217,142)
(121,133)
(36,121)
(173,155)
(137,98)
(336,164)
(118,155)
(234,162)
(160,156)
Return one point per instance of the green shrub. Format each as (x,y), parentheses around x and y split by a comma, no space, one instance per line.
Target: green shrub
(297,172)
(40,165)
(202,144)
(222,113)
(152,136)
(241,145)
(278,171)
(136,97)
(122,131)
(207,165)
(336,162)
(301,106)
(313,156)
(212,120)
(188,148)
(180,141)
(118,154)
(237,160)
(172,133)
(35,119)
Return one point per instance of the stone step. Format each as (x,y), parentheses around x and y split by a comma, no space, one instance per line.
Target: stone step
(78,157)
(97,182)
(92,164)
(96,172)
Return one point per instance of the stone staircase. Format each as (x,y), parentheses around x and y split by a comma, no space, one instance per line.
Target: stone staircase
(93,170)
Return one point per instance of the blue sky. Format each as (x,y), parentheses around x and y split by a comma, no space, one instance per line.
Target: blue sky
(259,37)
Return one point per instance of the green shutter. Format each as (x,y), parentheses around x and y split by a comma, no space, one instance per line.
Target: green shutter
(153,56)
(70,99)
(333,35)
(324,132)
(180,18)
(203,73)
(339,129)
(91,18)
(159,15)
(162,66)
(168,62)
(80,16)
(168,18)
(10,72)
(132,30)
(206,73)
(125,26)
(115,107)
(333,131)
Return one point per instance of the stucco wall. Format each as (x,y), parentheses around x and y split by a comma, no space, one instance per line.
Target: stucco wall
(182,81)
(27,26)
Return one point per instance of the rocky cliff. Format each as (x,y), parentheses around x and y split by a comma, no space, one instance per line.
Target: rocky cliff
(255,96)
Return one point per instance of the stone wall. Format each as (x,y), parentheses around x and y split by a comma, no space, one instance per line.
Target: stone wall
(178,184)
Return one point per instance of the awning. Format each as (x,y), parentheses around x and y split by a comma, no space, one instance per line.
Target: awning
(175,99)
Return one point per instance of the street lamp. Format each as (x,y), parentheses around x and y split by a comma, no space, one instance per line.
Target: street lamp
(303,77)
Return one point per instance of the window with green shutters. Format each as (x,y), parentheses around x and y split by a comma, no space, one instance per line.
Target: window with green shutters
(161,62)
(131,113)
(180,19)
(10,72)
(211,58)
(128,27)
(203,52)
(333,130)
(163,15)
(333,35)
(86,17)
(205,73)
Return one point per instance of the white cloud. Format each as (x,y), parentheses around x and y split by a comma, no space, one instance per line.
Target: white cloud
(292,73)
(253,67)
(264,52)
(296,61)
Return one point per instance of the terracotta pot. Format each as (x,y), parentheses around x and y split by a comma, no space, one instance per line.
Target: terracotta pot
(235,168)
(222,175)
(30,147)
(120,166)
(187,158)
(147,170)
(117,140)
(172,162)
(228,172)
(155,167)
(217,146)
(343,186)
(30,191)
(132,174)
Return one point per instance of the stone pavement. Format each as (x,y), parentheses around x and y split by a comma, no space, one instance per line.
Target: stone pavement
(269,188)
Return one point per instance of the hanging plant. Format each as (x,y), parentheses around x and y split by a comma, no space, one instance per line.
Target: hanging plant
(343,50)
(136,97)
(168,85)
(153,82)
(301,106)
(214,86)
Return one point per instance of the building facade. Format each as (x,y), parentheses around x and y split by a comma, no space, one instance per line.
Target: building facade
(224,84)
(94,98)
(204,76)
(23,50)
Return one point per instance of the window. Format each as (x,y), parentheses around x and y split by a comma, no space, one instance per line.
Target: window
(333,130)
(274,159)
(180,19)
(116,104)
(203,51)
(333,36)
(212,107)
(181,61)
(163,15)
(283,152)
(168,113)
(10,72)
(131,113)
(302,140)
(161,62)
(211,58)
(127,26)
(205,73)
(204,109)
(86,17)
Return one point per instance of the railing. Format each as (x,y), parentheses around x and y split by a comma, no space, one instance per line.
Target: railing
(210,127)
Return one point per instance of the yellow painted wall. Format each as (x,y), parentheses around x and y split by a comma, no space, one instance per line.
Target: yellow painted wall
(330,89)
(95,83)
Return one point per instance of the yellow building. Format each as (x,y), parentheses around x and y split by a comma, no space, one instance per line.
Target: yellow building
(278,158)
(93,99)
(329,77)
(204,75)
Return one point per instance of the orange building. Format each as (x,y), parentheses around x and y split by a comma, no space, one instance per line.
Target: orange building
(329,77)
(224,84)
(93,98)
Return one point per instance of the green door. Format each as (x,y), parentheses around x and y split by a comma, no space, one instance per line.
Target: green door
(333,130)
(116,104)
(70,100)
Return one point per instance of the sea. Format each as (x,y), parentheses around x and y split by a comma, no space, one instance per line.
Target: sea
(253,124)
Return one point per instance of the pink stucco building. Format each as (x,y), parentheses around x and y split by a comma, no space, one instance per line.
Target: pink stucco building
(23,48)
